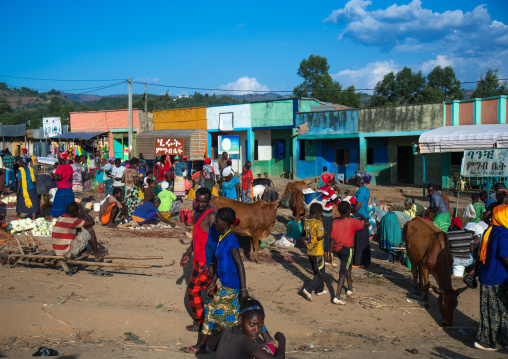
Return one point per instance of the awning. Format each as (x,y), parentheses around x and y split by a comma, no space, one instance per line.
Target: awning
(78,135)
(459,138)
(195,142)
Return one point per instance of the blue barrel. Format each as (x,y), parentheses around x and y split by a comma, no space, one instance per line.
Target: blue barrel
(309,197)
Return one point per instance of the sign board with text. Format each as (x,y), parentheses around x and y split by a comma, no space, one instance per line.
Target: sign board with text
(169,146)
(229,144)
(489,162)
(51,126)
(226,121)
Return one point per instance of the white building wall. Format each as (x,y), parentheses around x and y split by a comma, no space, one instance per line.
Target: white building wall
(264,138)
(241,116)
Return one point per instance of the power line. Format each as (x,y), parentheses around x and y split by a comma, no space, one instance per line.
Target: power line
(38,79)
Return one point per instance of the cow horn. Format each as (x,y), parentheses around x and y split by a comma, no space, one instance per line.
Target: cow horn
(460,290)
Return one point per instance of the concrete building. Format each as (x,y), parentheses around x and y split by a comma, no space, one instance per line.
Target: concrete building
(264,129)
(473,123)
(113,122)
(373,140)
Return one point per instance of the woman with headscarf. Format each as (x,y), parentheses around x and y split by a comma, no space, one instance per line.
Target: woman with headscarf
(492,331)
(231,185)
(362,245)
(208,174)
(179,185)
(28,201)
(390,237)
(131,179)
(331,195)
(413,209)
(64,194)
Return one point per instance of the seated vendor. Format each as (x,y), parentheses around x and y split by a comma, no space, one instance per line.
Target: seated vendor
(112,206)
(149,211)
(71,235)
(413,209)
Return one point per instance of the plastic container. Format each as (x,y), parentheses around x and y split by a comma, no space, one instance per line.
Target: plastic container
(309,197)
(97,207)
(458,271)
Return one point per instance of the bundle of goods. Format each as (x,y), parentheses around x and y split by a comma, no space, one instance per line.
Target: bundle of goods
(8,202)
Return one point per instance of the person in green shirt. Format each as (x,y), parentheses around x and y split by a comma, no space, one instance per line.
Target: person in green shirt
(413,209)
(167,197)
(478,206)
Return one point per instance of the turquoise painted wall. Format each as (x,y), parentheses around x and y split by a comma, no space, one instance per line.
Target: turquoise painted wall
(328,123)
(275,166)
(273,113)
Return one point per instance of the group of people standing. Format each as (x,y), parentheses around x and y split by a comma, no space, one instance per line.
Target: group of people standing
(231,314)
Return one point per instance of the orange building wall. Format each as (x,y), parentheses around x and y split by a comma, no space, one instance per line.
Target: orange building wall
(448,109)
(466,113)
(180,119)
(103,120)
(489,112)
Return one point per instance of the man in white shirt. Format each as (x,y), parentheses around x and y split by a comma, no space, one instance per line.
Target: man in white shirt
(117,173)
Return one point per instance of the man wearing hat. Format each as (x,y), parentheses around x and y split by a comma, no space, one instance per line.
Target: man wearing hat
(27,157)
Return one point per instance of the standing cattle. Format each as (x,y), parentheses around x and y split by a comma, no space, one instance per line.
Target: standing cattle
(256,219)
(428,250)
(301,185)
(297,203)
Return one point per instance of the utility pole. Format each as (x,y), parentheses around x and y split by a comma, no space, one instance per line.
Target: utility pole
(130,117)
(145,127)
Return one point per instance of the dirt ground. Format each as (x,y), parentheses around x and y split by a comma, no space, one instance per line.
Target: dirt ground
(141,313)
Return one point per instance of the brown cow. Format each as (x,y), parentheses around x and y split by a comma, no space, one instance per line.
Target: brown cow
(297,203)
(301,185)
(256,219)
(428,250)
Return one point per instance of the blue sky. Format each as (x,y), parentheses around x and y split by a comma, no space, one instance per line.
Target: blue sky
(245,45)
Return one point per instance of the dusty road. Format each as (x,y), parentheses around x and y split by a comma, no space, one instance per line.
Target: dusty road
(88,316)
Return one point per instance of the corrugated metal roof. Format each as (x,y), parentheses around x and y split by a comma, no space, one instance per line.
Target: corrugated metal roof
(195,142)
(78,135)
(38,133)
(12,130)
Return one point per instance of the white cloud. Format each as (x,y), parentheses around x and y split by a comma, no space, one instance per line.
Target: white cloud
(146,79)
(440,60)
(410,28)
(246,85)
(368,76)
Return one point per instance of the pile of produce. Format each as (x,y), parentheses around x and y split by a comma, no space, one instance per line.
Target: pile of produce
(43,228)
(8,202)
(39,227)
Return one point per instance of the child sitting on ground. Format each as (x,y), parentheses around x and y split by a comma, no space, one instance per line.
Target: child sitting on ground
(343,237)
(71,235)
(239,342)
(168,201)
(315,233)
(112,206)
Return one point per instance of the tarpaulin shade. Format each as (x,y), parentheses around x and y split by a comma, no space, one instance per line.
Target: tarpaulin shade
(459,138)
(195,142)
(78,135)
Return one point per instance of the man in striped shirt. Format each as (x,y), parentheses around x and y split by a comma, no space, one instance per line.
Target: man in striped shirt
(71,235)
(460,243)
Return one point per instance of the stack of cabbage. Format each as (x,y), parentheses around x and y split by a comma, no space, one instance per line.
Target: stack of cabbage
(21,225)
(9,199)
(43,228)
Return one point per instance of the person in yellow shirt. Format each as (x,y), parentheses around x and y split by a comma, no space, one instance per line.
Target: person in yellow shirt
(315,233)
(413,209)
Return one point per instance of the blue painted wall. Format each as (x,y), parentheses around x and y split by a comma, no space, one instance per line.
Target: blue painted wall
(324,155)
(329,123)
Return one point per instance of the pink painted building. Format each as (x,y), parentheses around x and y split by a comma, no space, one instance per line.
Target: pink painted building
(115,122)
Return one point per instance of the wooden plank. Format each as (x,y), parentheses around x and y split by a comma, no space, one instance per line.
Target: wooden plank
(100,264)
(134,258)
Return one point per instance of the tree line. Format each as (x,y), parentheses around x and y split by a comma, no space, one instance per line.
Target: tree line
(401,88)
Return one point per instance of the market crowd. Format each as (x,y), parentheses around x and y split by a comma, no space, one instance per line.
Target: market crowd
(141,191)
